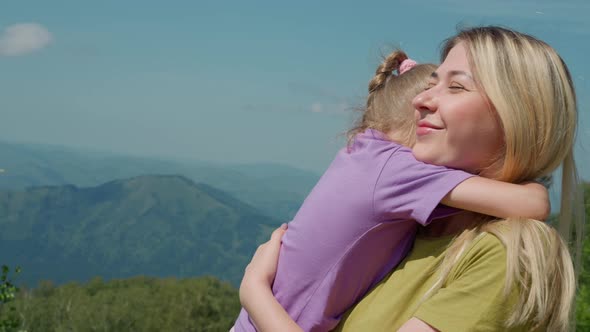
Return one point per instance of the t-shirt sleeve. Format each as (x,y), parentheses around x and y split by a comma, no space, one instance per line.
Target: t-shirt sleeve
(409,189)
(473,298)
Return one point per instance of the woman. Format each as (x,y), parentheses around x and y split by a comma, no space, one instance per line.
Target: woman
(500,105)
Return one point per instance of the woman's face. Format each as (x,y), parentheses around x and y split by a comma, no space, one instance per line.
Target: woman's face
(457,126)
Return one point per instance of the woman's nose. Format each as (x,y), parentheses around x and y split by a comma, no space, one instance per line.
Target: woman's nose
(425,101)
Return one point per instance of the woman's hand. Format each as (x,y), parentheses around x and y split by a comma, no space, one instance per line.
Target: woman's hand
(255,291)
(260,273)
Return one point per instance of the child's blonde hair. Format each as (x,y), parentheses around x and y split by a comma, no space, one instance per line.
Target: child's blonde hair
(389,103)
(531,90)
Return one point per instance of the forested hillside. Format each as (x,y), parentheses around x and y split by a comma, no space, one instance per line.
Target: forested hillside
(134,304)
(148,225)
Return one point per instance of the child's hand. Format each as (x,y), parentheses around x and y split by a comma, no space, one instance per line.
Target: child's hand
(539,192)
(263,267)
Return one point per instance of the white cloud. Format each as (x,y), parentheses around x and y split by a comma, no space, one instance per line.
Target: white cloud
(23,38)
(316,108)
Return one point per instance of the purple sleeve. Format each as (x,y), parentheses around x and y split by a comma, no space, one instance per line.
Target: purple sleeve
(410,189)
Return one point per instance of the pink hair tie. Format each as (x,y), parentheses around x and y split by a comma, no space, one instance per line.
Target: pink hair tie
(406,65)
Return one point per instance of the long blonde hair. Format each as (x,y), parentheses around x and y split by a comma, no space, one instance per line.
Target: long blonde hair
(388,105)
(531,90)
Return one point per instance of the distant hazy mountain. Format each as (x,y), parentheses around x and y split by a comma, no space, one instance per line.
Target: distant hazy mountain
(277,190)
(153,225)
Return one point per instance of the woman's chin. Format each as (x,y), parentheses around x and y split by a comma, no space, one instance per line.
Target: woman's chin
(426,156)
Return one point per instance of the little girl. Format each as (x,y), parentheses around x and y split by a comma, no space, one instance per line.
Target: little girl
(360,219)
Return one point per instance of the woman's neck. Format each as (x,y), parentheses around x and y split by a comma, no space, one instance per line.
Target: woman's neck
(450,225)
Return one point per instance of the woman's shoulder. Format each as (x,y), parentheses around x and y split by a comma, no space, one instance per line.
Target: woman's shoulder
(473,297)
(515,234)
(529,258)
(493,236)
(485,255)
(486,241)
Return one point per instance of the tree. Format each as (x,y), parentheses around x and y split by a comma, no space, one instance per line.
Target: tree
(9,320)
(583,296)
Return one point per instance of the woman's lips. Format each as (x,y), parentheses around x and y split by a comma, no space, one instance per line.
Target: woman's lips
(425,127)
(420,131)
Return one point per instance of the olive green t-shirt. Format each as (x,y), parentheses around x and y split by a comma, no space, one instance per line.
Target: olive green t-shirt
(472,299)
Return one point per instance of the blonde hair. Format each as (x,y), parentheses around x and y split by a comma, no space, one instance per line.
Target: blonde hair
(388,105)
(531,90)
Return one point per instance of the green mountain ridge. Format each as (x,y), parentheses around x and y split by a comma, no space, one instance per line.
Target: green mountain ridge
(277,190)
(147,225)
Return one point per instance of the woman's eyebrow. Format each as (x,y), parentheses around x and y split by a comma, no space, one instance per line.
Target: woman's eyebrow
(462,73)
(453,73)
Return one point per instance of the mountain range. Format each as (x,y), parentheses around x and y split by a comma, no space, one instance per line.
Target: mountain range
(148,225)
(275,189)
(69,214)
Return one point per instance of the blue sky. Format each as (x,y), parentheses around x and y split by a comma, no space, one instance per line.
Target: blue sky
(234,81)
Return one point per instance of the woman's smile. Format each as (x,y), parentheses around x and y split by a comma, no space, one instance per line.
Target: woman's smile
(425,127)
(457,126)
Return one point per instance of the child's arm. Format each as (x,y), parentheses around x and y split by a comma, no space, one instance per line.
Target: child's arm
(255,290)
(500,199)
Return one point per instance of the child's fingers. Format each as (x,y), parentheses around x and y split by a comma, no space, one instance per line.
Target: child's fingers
(275,238)
(278,233)
(264,262)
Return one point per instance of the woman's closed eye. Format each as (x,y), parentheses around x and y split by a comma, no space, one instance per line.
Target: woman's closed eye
(457,87)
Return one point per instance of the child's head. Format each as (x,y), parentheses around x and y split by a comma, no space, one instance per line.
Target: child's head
(389,103)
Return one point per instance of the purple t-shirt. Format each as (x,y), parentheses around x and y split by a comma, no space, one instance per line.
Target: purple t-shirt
(355,226)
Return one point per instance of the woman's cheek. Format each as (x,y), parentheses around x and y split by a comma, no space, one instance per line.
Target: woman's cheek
(463,148)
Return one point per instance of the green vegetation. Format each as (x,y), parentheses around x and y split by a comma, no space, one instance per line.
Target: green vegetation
(135,304)
(583,297)
(9,319)
(149,225)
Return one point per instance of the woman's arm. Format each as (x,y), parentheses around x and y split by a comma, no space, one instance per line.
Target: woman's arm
(255,290)
(500,199)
